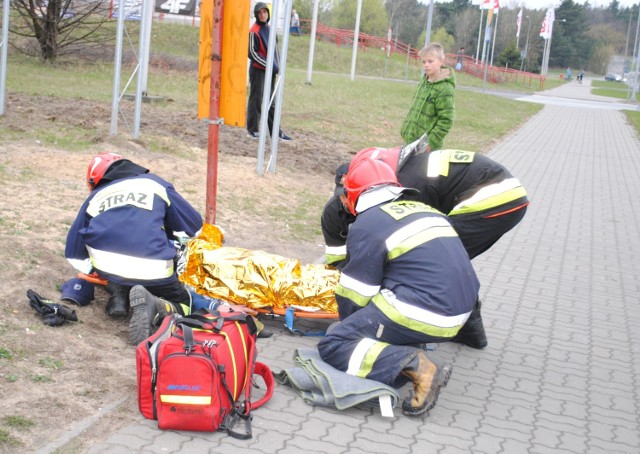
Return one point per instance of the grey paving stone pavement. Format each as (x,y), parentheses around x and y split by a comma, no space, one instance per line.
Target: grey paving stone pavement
(561,298)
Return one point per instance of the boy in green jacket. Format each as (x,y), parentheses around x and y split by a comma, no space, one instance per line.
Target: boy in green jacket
(433,106)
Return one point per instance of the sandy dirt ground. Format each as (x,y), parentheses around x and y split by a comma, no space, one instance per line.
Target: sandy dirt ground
(53,378)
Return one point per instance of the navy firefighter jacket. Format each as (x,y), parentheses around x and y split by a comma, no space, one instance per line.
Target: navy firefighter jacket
(126,228)
(461,182)
(405,258)
(454,182)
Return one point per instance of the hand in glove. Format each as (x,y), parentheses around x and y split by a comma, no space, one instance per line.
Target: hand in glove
(53,314)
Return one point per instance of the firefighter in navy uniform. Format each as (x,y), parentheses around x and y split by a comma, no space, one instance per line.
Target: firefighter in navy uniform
(125,231)
(481,198)
(408,281)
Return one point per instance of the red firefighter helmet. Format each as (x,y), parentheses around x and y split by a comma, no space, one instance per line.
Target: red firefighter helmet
(389,156)
(99,166)
(366,174)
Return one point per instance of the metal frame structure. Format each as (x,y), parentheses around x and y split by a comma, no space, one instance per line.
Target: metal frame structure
(141,69)
(3,59)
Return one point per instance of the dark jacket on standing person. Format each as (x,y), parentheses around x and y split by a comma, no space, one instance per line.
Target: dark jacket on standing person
(259,41)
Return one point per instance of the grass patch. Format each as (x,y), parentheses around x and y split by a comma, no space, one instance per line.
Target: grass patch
(18,422)
(614,93)
(341,109)
(175,40)
(634,119)
(328,57)
(41,378)
(11,378)
(6,440)
(5,354)
(50,363)
(608,84)
(612,89)
(364,112)
(301,214)
(70,79)
(482,119)
(351,112)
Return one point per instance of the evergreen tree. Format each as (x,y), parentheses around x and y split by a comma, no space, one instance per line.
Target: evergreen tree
(571,45)
(510,57)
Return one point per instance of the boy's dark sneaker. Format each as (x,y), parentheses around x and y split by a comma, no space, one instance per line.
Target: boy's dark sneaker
(253,134)
(285,137)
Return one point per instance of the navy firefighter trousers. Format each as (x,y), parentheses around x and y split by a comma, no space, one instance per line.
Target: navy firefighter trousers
(368,344)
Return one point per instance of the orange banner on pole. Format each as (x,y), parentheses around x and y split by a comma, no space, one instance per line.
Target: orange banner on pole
(233,71)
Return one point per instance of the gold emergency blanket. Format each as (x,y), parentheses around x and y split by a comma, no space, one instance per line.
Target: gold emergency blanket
(257,279)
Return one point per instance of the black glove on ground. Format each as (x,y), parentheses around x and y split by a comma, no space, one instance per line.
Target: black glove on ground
(53,314)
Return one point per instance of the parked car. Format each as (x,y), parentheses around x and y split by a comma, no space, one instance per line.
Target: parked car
(613,77)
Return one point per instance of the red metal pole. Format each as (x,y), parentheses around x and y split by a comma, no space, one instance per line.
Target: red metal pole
(214,112)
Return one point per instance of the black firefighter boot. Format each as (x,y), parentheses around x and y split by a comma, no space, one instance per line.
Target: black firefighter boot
(472,334)
(118,305)
(148,312)
(427,380)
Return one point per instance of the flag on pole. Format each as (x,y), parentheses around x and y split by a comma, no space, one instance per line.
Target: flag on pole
(551,17)
(547,24)
(518,23)
(493,6)
(543,30)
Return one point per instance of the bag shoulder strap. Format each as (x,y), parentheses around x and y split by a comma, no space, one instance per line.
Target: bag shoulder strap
(201,322)
(266,374)
(243,411)
(189,341)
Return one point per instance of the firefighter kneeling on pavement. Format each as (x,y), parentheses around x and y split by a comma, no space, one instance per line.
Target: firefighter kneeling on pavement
(407,281)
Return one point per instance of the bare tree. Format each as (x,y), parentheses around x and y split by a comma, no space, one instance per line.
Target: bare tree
(406,19)
(60,27)
(466,27)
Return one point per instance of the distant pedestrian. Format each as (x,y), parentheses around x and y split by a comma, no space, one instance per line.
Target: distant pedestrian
(580,76)
(295,23)
(568,73)
(460,59)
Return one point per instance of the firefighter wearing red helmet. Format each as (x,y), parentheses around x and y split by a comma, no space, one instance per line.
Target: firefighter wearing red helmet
(99,166)
(126,231)
(408,281)
(481,198)
(367,177)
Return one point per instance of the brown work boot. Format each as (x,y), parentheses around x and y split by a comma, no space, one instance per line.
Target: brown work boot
(427,380)
(147,313)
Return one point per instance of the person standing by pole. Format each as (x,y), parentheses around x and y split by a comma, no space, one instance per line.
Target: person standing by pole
(258,42)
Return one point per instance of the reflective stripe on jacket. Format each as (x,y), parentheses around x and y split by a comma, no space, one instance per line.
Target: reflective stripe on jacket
(127,229)
(411,250)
